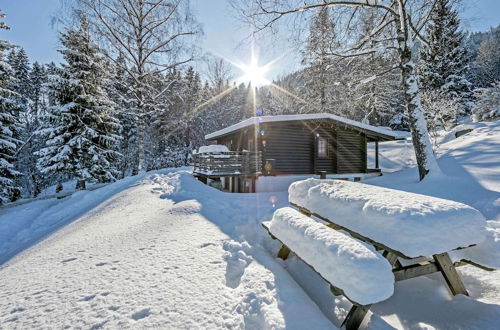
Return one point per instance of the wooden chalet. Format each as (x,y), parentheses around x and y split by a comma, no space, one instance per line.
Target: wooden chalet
(322,144)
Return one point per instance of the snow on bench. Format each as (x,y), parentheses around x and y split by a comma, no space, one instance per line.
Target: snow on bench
(413,224)
(363,274)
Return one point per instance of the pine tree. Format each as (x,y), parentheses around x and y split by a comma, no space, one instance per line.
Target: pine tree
(32,180)
(487,64)
(38,77)
(22,82)
(487,106)
(9,125)
(444,60)
(119,90)
(81,139)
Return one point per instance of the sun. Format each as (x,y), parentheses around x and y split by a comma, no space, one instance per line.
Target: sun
(254,74)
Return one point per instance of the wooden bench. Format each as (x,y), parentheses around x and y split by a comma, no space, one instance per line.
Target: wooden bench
(403,267)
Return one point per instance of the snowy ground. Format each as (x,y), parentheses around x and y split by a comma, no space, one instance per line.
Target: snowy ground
(164,250)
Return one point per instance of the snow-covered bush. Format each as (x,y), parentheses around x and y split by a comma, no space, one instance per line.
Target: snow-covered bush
(441,111)
(488,103)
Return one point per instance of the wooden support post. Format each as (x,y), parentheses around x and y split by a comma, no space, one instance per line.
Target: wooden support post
(284,252)
(391,257)
(376,154)
(322,174)
(357,313)
(445,265)
(355,317)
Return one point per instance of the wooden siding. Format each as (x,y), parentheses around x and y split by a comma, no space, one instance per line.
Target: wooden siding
(351,156)
(293,146)
(290,144)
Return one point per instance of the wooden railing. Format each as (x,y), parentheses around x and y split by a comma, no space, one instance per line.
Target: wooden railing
(228,163)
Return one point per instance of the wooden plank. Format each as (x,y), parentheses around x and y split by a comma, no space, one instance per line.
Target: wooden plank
(355,317)
(445,265)
(412,271)
(392,258)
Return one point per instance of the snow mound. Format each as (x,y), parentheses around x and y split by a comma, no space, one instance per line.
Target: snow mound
(213,148)
(186,208)
(416,225)
(363,274)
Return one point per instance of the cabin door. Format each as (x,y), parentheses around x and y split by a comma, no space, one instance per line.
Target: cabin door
(324,152)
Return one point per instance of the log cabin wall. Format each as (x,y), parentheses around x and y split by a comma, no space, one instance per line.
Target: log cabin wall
(351,152)
(294,147)
(291,144)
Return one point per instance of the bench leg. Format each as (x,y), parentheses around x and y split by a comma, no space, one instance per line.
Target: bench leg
(355,317)
(445,265)
(357,313)
(283,252)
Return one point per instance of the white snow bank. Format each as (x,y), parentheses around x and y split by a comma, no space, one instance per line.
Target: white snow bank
(363,274)
(213,148)
(416,225)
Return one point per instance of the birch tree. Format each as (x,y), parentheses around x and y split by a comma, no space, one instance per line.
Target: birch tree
(153,37)
(399,24)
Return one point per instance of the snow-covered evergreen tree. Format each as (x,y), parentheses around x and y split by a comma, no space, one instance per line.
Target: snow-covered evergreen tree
(444,61)
(487,64)
(9,125)
(21,82)
(487,106)
(32,180)
(81,139)
(38,77)
(119,90)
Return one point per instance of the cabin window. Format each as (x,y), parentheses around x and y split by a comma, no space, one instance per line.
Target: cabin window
(322,148)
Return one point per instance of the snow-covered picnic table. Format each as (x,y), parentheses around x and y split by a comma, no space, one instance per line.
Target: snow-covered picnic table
(380,236)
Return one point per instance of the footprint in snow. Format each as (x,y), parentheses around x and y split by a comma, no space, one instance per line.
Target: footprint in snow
(98,325)
(88,298)
(237,261)
(68,260)
(101,264)
(141,314)
(204,245)
(17,309)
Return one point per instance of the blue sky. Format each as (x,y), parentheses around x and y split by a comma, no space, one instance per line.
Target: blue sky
(30,22)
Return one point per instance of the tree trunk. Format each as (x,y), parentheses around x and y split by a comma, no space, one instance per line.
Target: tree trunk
(80,184)
(426,161)
(59,187)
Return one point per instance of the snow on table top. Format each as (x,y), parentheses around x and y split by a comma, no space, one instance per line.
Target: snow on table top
(413,224)
(363,274)
(268,119)
(213,148)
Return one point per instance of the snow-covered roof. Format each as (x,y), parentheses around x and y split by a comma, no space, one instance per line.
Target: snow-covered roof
(396,135)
